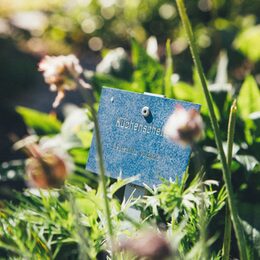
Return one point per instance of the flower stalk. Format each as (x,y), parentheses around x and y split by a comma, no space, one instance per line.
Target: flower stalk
(89,96)
(63,73)
(230,141)
(225,169)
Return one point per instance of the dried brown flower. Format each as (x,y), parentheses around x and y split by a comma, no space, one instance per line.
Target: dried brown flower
(46,171)
(184,126)
(46,167)
(61,73)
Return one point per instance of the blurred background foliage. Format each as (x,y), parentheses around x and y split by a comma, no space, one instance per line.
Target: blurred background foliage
(30,29)
(124,44)
(35,28)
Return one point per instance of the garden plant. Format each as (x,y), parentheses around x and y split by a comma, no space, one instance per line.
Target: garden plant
(66,212)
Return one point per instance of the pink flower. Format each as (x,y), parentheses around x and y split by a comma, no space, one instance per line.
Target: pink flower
(184,126)
(61,73)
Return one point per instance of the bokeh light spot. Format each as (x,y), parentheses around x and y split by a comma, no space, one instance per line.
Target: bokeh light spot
(95,43)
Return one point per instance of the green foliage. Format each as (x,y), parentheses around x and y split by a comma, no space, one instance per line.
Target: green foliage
(148,73)
(247,43)
(181,205)
(249,212)
(42,124)
(58,223)
(249,98)
(109,81)
(75,214)
(194,94)
(70,223)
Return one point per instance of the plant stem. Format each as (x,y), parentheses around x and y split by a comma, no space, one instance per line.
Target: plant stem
(89,96)
(102,173)
(167,86)
(226,173)
(230,141)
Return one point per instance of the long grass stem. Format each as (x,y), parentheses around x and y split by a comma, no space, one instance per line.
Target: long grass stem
(226,172)
(230,141)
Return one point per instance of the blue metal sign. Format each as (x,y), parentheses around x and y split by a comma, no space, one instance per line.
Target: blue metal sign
(131,126)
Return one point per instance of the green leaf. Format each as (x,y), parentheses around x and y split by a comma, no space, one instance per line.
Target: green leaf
(169,71)
(248,161)
(89,204)
(41,123)
(249,213)
(85,137)
(199,97)
(149,73)
(121,183)
(184,91)
(79,155)
(249,98)
(248,43)
(101,80)
(254,237)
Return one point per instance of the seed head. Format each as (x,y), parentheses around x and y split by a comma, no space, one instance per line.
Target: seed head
(184,126)
(61,73)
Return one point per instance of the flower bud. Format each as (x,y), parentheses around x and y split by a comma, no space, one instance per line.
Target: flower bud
(148,245)
(61,73)
(184,126)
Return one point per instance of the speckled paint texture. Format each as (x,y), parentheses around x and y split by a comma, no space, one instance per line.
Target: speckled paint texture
(134,144)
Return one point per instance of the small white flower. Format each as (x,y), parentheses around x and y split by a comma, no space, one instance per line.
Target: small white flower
(184,126)
(61,73)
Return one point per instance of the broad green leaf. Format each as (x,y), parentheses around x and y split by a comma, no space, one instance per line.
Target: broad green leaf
(184,91)
(248,43)
(249,98)
(250,130)
(41,123)
(85,137)
(248,161)
(101,80)
(79,155)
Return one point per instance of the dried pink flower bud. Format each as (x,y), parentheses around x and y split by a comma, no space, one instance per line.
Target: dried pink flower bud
(47,170)
(184,126)
(61,73)
(149,245)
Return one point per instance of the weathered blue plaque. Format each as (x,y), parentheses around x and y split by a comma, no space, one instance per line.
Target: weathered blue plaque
(131,126)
